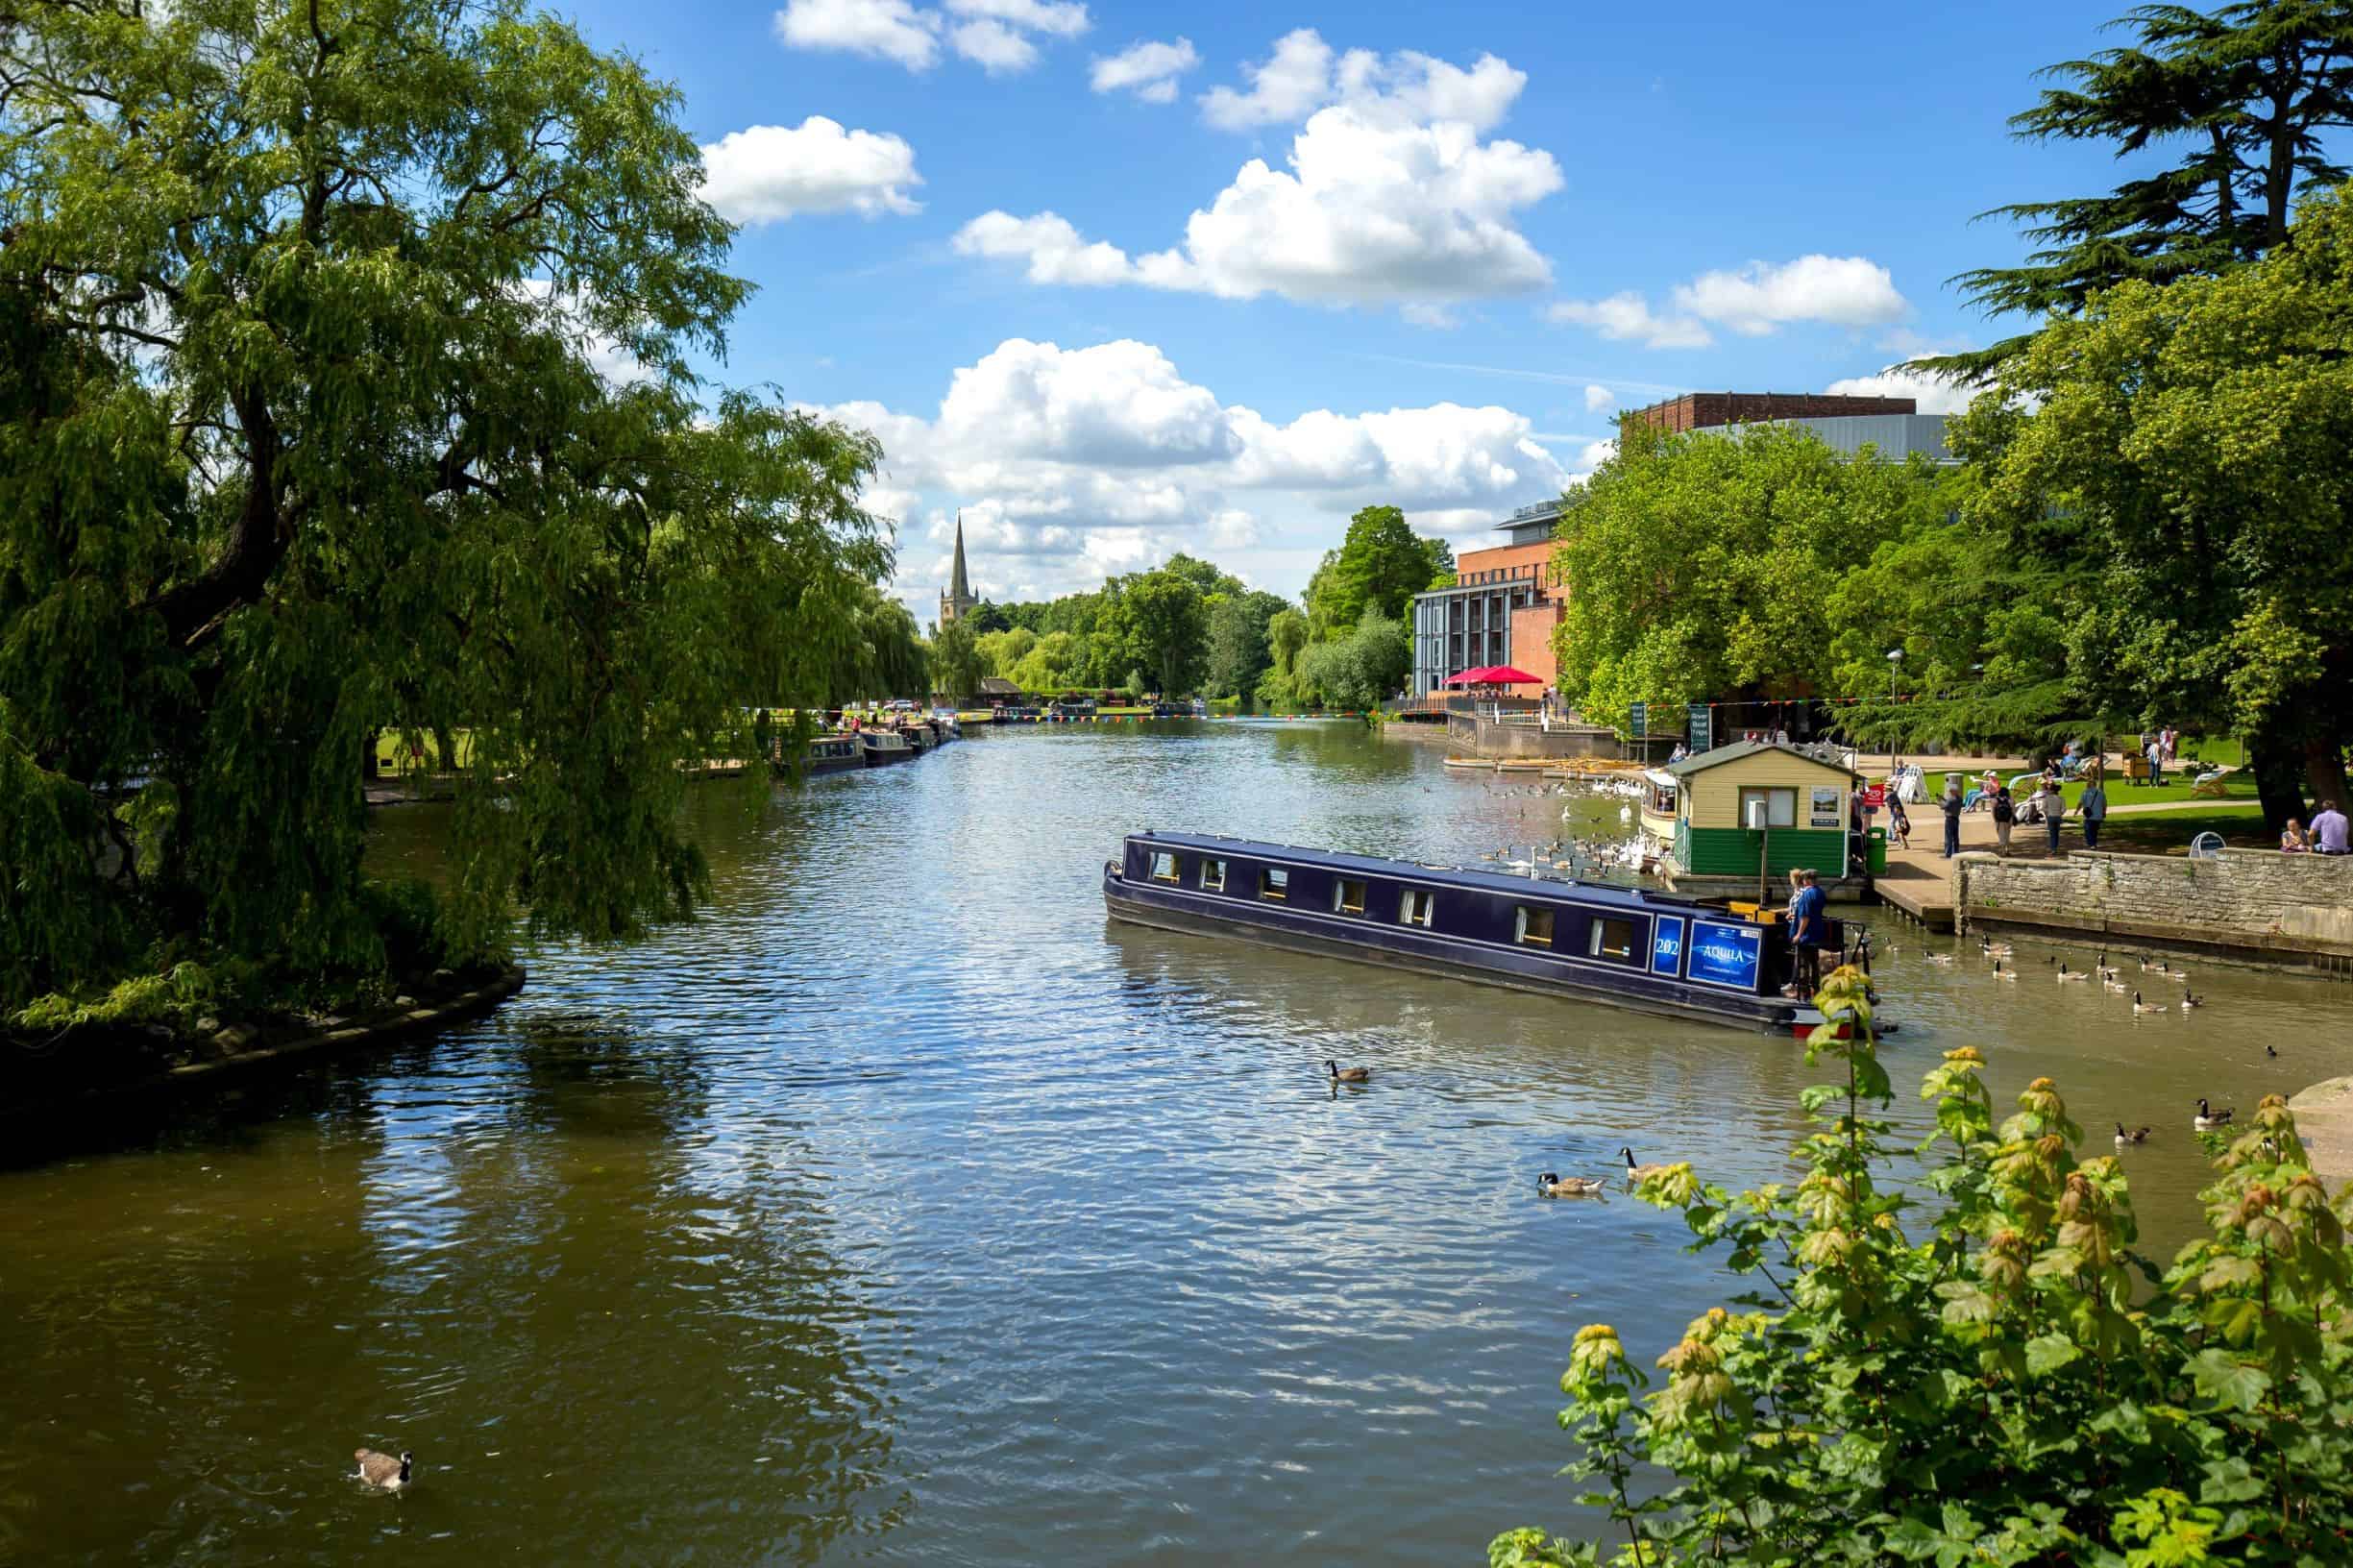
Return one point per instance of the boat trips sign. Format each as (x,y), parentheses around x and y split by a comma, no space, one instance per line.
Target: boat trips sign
(1725,955)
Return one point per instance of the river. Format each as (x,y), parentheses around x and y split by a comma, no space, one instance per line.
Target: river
(902,1210)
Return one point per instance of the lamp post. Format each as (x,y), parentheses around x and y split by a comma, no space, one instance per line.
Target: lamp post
(1895,662)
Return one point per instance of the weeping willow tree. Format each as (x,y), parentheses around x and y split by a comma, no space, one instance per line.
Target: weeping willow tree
(348,388)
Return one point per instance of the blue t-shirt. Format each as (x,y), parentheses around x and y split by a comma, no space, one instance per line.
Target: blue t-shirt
(1806,912)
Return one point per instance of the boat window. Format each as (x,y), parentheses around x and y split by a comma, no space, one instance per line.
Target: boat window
(1164,866)
(1416,907)
(1212,875)
(1348,897)
(1274,883)
(1611,938)
(1534,927)
(1780,805)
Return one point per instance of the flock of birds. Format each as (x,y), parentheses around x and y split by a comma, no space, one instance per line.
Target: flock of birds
(2111,976)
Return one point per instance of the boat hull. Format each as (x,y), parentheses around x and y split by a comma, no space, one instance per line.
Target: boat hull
(1389,949)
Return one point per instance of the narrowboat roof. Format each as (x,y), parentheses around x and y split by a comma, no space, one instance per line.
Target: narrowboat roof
(1739,751)
(1460,876)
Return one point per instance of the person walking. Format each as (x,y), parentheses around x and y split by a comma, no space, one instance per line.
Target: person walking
(2053,801)
(1898,822)
(2092,807)
(1951,806)
(2005,815)
(2328,830)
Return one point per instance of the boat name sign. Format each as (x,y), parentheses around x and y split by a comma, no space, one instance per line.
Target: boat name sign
(1667,945)
(1725,955)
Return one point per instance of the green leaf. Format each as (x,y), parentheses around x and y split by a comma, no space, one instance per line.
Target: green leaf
(2226,1380)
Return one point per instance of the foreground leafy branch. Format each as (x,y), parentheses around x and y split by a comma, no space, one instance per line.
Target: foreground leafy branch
(2006,1382)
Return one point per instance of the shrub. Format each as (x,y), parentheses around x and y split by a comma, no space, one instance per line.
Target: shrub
(2013,1385)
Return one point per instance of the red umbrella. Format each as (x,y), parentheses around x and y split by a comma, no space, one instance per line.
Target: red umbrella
(1492,675)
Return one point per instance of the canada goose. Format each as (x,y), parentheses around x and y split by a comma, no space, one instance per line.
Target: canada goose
(2271,1050)
(1989,948)
(1936,958)
(2207,1118)
(1349,1075)
(2104,969)
(2140,1006)
(2117,986)
(2138,1134)
(2189,1000)
(2149,963)
(2000,973)
(2066,974)
(383,1471)
(1570,1186)
(1634,1172)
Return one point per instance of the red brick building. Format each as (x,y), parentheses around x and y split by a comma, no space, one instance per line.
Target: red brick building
(1707,410)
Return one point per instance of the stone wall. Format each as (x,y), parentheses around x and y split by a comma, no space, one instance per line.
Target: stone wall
(1471,736)
(2253,903)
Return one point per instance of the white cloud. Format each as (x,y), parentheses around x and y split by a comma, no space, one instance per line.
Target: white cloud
(1287,86)
(1368,213)
(1304,74)
(1752,301)
(575,317)
(1935,394)
(991,45)
(993,33)
(1628,317)
(882,29)
(1844,291)
(1147,69)
(1599,398)
(1104,459)
(1055,17)
(768,173)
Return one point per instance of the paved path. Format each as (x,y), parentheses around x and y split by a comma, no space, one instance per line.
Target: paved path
(2324,1121)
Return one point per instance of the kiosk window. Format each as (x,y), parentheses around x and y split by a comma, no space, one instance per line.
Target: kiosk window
(1611,938)
(1348,897)
(1164,867)
(1534,928)
(1212,875)
(1416,907)
(1274,884)
(1780,807)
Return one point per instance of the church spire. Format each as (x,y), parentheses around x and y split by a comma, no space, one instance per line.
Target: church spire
(960,586)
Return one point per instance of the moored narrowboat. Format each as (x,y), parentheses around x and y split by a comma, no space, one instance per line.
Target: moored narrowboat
(1624,946)
(832,754)
(883,747)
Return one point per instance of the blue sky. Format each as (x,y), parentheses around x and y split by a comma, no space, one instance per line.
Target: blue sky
(1215,296)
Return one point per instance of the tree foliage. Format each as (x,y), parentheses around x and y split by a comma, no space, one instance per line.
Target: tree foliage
(1702,564)
(1239,652)
(1360,670)
(2244,99)
(1381,565)
(1995,1376)
(347,388)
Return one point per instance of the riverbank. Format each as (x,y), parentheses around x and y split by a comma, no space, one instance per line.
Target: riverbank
(2324,1121)
(121,1066)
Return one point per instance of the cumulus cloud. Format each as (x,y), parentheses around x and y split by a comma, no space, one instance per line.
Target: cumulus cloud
(1149,70)
(994,35)
(1599,398)
(1844,291)
(1628,318)
(1083,460)
(1754,301)
(1935,394)
(1303,73)
(1370,211)
(768,173)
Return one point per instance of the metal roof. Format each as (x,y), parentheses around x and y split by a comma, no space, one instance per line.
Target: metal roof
(1461,876)
(1738,749)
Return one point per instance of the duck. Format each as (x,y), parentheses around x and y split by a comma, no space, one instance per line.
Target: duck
(2066,974)
(383,1471)
(1570,1186)
(2000,973)
(2208,1118)
(1636,1173)
(2191,1000)
(2117,986)
(2140,1006)
(1349,1075)
(2138,1134)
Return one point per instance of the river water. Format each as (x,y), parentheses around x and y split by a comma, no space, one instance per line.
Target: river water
(902,1210)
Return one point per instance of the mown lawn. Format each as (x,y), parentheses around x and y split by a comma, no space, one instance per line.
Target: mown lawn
(2238,786)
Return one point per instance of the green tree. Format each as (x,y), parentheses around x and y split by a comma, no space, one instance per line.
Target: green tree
(956,662)
(1057,662)
(1991,1375)
(987,618)
(2186,454)
(1238,654)
(1702,564)
(1286,633)
(2241,99)
(1381,565)
(305,435)
(1000,652)
(1360,670)
(1441,565)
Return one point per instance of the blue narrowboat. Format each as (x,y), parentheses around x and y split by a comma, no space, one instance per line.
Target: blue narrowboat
(1624,947)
